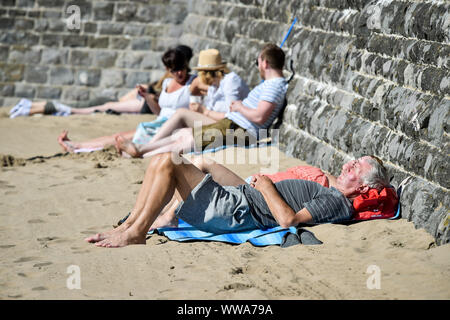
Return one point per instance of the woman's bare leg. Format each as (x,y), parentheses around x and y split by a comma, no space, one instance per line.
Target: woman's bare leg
(128,106)
(101,142)
(181,119)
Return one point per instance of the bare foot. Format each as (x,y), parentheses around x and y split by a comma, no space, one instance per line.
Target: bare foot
(164,221)
(124,145)
(122,239)
(65,142)
(104,235)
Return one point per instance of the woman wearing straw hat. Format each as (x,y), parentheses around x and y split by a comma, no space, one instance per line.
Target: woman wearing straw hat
(220,88)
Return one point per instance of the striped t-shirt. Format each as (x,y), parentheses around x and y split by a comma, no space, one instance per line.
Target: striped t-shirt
(324,204)
(272,90)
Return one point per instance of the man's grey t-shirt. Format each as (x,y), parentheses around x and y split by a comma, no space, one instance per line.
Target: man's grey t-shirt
(324,204)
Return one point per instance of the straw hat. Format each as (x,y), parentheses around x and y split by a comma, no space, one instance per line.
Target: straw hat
(210,60)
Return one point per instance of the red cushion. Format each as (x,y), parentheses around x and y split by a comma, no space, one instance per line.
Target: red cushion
(375,205)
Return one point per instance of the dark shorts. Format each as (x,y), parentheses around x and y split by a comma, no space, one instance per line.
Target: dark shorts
(211,207)
(223,132)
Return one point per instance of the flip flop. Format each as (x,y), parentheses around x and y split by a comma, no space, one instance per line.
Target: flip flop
(123,219)
(302,236)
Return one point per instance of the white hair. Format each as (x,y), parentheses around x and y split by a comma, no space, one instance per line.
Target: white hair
(377,177)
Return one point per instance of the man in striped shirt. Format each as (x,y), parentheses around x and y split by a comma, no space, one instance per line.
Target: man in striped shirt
(260,108)
(211,207)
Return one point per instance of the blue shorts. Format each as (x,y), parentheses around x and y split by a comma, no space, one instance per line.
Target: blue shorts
(211,207)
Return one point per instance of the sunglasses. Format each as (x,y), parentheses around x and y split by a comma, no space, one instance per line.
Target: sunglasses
(378,160)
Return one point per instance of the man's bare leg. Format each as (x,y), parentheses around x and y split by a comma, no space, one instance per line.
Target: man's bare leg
(221,174)
(163,178)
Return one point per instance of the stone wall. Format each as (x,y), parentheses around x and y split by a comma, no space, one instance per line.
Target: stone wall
(372,77)
(44,55)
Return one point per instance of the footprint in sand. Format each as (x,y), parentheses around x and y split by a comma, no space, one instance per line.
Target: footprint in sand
(25,259)
(43,264)
(54,214)
(237,286)
(36,221)
(39,289)
(6,246)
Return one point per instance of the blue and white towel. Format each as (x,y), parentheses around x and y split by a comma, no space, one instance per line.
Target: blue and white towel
(257,237)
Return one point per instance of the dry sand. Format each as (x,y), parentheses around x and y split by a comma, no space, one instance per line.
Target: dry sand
(49,204)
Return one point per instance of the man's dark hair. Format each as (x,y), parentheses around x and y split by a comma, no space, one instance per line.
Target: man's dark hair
(273,55)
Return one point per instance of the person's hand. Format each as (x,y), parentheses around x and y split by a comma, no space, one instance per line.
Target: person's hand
(261,182)
(236,106)
(198,88)
(141,90)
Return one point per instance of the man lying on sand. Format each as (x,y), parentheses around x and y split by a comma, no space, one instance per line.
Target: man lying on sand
(210,207)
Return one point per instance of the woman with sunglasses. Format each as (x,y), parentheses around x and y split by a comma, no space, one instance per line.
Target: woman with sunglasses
(219,86)
(175,94)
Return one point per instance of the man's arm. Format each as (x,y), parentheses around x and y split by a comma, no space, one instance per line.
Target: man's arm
(283,214)
(258,115)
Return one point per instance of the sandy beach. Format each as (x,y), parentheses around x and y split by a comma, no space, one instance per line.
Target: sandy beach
(52,201)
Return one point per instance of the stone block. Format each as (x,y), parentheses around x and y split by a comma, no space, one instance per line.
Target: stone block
(88,77)
(104,59)
(80,58)
(103,10)
(36,74)
(119,43)
(7,90)
(11,72)
(61,76)
(129,60)
(98,42)
(141,44)
(74,93)
(110,28)
(74,40)
(112,78)
(51,56)
(51,40)
(24,91)
(125,11)
(133,78)
(48,93)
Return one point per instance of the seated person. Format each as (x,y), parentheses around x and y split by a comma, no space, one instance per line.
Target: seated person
(131,102)
(174,95)
(221,87)
(211,207)
(257,111)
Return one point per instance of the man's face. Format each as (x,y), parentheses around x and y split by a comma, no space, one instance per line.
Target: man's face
(352,173)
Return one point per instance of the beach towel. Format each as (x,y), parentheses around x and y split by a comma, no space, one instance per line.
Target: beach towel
(146,130)
(285,237)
